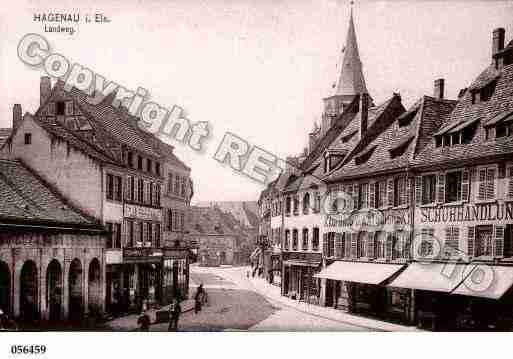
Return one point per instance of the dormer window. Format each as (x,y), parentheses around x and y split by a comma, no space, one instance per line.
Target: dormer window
(455,133)
(484,93)
(500,125)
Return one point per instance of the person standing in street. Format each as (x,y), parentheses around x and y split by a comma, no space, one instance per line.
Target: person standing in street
(174,314)
(144,322)
(198,299)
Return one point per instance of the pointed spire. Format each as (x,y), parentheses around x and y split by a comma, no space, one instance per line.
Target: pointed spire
(351,80)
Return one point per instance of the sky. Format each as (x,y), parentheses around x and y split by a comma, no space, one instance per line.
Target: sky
(258,69)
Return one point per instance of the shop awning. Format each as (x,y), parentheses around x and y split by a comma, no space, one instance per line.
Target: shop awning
(438,277)
(478,284)
(359,272)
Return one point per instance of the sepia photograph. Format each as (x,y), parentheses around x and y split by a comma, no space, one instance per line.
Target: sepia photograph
(295,166)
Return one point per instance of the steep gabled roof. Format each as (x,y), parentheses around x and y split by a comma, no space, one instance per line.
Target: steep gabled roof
(27,198)
(501,102)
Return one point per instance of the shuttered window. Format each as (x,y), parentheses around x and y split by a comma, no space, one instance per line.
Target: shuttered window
(364,195)
(390,192)
(510,182)
(486,189)
(418,190)
(440,188)
(452,240)
(499,241)
(382,194)
(465,185)
(372,195)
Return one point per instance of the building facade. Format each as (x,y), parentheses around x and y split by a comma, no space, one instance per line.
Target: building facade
(99,159)
(51,254)
(414,213)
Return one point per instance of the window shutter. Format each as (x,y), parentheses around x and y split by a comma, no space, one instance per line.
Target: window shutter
(372,195)
(499,241)
(338,245)
(440,188)
(390,192)
(465,185)
(127,188)
(355,196)
(388,248)
(407,195)
(471,236)
(354,250)
(490,183)
(347,244)
(482,184)
(418,190)
(325,244)
(371,238)
(510,183)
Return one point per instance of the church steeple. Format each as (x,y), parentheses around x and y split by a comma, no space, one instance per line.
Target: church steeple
(350,80)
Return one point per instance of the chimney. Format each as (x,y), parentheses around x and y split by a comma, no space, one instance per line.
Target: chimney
(498,40)
(364,113)
(16,115)
(438,92)
(45,87)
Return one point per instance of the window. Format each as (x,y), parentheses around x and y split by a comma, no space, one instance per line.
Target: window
(69,108)
(294,239)
(130,159)
(151,196)
(61,107)
(129,234)
(140,190)
(304,243)
(362,242)
(484,241)
(110,186)
(157,194)
(170,183)
(286,243)
(330,245)
(156,235)
(510,182)
(147,192)
(114,238)
(380,245)
(51,109)
(453,187)
(486,189)
(157,168)
(296,205)
(140,237)
(426,244)
(149,234)
(452,237)
(130,190)
(400,194)
(428,189)
(183,186)
(317,202)
(287,206)
(397,246)
(139,162)
(177,185)
(28,138)
(382,193)
(149,165)
(315,239)
(364,195)
(182,221)
(306,203)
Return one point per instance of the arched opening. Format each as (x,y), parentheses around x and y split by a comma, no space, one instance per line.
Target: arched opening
(94,287)
(54,290)
(75,290)
(28,292)
(5,288)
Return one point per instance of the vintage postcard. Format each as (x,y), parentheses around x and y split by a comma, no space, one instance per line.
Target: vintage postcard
(272,166)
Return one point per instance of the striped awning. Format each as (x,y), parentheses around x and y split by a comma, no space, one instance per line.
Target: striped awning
(360,272)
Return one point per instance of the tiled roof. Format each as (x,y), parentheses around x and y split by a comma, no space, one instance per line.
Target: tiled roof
(209,220)
(26,198)
(393,148)
(501,102)
(4,135)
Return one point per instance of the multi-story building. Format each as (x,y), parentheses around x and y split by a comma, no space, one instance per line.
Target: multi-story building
(51,254)
(415,219)
(99,159)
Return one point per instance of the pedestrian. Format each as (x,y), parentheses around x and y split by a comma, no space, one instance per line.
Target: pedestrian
(144,322)
(174,314)
(198,299)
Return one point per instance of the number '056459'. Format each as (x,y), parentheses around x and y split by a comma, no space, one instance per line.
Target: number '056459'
(28,349)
